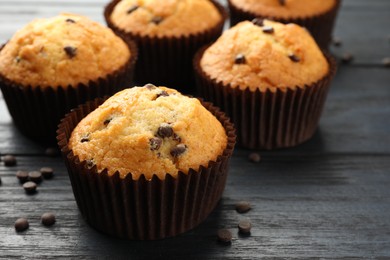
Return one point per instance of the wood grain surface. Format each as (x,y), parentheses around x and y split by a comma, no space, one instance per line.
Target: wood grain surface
(328,198)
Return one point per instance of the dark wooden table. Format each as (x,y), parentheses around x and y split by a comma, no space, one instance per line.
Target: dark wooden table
(328,198)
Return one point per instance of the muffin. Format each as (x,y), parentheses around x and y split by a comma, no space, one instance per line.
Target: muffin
(168,34)
(52,65)
(143,164)
(318,16)
(270,78)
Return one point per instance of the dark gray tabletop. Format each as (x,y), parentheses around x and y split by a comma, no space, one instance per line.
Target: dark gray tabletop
(327,198)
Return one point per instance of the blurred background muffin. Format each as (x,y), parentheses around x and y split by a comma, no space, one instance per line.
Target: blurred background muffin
(52,65)
(318,16)
(168,34)
(270,78)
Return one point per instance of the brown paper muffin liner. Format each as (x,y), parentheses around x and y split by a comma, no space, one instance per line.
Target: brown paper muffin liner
(167,61)
(266,119)
(320,26)
(144,209)
(37,111)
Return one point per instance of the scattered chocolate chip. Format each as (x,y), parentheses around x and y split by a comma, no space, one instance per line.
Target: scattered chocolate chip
(107,121)
(84,139)
(132,9)
(258,21)
(224,236)
(9,160)
(155,143)
(176,138)
(47,172)
(21,224)
(70,20)
(162,94)
(165,130)
(70,51)
(282,2)
(386,62)
(346,58)
(268,29)
(178,150)
(35,176)
(30,187)
(48,219)
(336,42)
(18,59)
(22,176)
(243,207)
(294,57)
(157,20)
(52,151)
(244,226)
(240,59)
(254,157)
(150,86)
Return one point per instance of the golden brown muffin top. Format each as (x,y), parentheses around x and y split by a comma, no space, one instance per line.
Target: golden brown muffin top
(285,8)
(172,18)
(268,55)
(60,51)
(149,130)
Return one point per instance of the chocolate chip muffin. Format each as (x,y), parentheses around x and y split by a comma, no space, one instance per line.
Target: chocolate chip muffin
(149,158)
(168,34)
(318,16)
(57,63)
(271,78)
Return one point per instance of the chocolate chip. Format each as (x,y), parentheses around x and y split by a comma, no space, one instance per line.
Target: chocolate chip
(165,130)
(30,187)
(268,29)
(336,42)
(254,157)
(84,139)
(35,176)
(386,62)
(107,121)
(9,160)
(157,20)
(70,20)
(155,143)
(258,21)
(22,176)
(244,226)
(282,2)
(21,224)
(224,236)
(240,59)
(18,59)
(294,57)
(150,86)
(178,150)
(347,57)
(162,94)
(243,207)
(52,151)
(176,138)
(70,51)
(48,219)
(47,172)
(132,9)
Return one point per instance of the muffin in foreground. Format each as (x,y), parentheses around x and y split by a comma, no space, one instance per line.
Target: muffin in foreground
(52,65)
(318,16)
(168,34)
(148,163)
(270,78)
